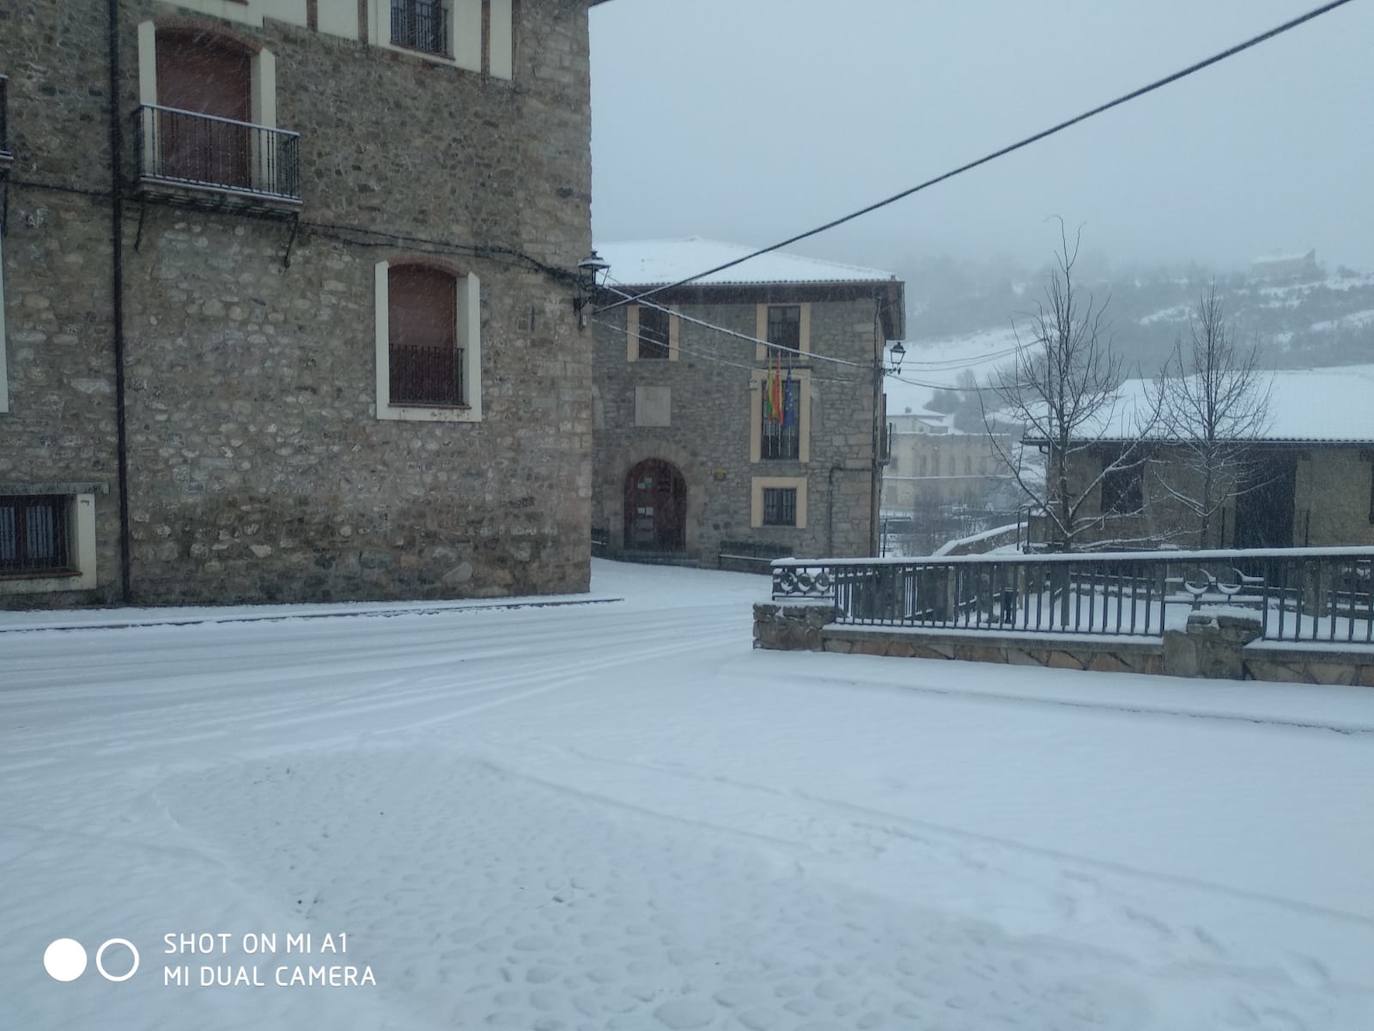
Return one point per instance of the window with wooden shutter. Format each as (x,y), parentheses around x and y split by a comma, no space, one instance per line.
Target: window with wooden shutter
(425,362)
(200,74)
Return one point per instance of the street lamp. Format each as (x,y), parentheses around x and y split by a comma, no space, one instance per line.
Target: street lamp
(591,276)
(898,352)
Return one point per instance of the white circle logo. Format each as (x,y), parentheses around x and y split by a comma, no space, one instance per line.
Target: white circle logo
(100,956)
(65,959)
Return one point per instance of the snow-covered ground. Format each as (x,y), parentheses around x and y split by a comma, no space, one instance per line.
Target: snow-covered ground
(620,816)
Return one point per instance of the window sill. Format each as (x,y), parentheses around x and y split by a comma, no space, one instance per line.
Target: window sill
(39,574)
(51,582)
(429,413)
(443,60)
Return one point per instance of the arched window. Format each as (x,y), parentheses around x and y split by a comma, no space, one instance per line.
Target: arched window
(428,343)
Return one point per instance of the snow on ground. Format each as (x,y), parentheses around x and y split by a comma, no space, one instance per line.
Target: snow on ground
(621,816)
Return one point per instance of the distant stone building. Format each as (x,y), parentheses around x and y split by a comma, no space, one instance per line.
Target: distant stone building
(1282,268)
(710,446)
(933,462)
(328,350)
(1309,480)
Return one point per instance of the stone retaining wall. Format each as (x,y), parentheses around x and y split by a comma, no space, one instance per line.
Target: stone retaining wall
(1215,646)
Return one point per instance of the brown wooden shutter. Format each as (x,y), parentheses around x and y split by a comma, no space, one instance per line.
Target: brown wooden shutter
(426,366)
(200,74)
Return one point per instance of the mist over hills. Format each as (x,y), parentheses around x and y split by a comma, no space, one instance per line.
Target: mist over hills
(1300,312)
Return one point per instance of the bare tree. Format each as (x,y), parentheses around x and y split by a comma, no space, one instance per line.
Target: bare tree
(1064,389)
(1214,405)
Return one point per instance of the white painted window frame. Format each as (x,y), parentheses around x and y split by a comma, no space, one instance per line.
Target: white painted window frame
(632,337)
(467,334)
(81,534)
(465,36)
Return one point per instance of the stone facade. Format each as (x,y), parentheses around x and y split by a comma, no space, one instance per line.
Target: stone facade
(708,399)
(1330,503)
(257,468)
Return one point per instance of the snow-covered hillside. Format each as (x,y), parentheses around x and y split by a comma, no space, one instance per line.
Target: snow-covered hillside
(621,816)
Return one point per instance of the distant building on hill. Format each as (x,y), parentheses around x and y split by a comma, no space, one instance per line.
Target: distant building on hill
(1278,268)
(932,461)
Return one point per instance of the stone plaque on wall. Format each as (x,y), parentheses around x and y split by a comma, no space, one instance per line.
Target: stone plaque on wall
(653,406)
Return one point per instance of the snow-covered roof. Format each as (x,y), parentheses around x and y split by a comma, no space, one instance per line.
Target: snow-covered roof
(656,262)
(1333,405)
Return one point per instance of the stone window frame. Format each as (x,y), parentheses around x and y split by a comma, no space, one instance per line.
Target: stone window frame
(80,532)
(467,335)
(757,379)
(757,485)
(632,336)
(761,328)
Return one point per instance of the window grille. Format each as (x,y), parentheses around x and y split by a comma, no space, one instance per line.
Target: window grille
(33,535)
(780,437)
(779,506)
(784,328)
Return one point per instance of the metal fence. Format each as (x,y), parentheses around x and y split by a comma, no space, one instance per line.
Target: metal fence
(1300,594)
(420,25)
(184,147)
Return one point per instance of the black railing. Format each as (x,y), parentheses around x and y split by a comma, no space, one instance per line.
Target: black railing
(420,25)
(5,153)
(189,149)
(426,376)
(1297,594)
(33,535)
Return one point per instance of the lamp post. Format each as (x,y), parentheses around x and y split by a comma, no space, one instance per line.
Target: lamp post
(882,437)
(591,276)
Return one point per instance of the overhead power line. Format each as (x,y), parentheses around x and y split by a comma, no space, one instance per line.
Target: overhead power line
(1134,94)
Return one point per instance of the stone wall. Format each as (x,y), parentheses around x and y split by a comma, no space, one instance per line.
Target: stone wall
(708,437)
(258,471)
(1214,645)
(1332,500)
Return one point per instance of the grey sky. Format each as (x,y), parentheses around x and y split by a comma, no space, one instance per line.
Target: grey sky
(752,119)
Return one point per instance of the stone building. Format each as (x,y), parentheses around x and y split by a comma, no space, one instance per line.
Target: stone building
(932,461)
(290,316)
(1307,480)
(712,447)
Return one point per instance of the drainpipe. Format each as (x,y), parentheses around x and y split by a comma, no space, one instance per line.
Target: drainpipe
(117,292)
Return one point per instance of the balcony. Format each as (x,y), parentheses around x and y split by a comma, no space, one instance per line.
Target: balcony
(186,154)
(6,155)
(420,25)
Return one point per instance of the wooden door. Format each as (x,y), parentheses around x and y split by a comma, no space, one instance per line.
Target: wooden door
(205,76)
(655,507)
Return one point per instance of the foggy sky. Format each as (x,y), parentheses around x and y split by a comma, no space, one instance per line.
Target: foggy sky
(749,120)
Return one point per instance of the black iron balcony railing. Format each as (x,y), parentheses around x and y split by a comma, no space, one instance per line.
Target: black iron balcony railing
(420,25)
(1298,594)
(184,148)
(5,153)
(426,376)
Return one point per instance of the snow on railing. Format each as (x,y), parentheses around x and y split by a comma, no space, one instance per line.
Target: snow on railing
(1297,594)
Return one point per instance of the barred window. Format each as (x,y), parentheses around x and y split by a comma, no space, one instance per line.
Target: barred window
(33,534)
(420,25)
(779,506)
(784,328)
(653,333)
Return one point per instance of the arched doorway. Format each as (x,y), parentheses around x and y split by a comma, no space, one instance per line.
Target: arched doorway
(655,507)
